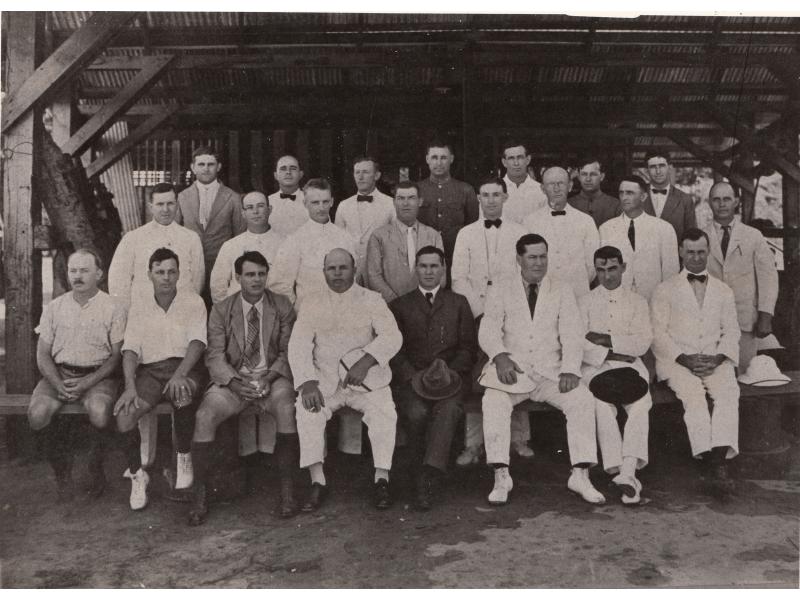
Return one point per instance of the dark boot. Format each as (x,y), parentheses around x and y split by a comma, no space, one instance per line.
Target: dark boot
(288,458)
(199,510)
(97,477)
(721,483)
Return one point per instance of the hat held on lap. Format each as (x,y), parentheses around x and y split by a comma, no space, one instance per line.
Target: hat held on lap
(763,372)
(437,382)
(618,386)
(377,377)
(488,379)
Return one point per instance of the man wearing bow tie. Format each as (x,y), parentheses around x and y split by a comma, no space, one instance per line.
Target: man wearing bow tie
(665,201)
(288,208)
(696,344)
(741,258)
(572,235)
(363,213)
(210,209)
(591,199)
(485,255)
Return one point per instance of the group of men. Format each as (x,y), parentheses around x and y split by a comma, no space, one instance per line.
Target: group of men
(397,310)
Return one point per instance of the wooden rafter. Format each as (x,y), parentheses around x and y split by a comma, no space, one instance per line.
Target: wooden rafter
(706,156)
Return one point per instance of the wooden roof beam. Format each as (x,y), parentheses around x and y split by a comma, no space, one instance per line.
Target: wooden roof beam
(708,157)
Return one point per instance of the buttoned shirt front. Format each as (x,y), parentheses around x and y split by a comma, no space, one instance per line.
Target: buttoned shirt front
(360,219)
(207,193)
(287,215)
(447,206)
(523,199)
(155,334)
(223,280)
(246,306)
(698,287)
(601,207)
(82,336)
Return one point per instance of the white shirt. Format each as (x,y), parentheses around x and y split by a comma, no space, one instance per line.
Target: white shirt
(360,219)
(434,291)
(699,288)
(287,214)
(155,334)
(127,274)
(207,193)
(659,200)
(223,281)
(523,199)
(246,306)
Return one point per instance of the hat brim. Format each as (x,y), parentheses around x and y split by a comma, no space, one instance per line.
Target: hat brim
(377,377)
(764,382)
(619,386)
(488,379)
(446,392)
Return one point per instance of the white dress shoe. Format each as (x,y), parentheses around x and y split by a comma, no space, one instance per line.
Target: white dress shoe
(630,487)
(471,455)
(503,484)
(139,481)
(185,475)
(522,449)
(580,484)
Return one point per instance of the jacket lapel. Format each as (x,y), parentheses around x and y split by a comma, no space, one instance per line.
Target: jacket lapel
(716,248)
(648,206)
(237,322)
(670,204)
(736,240)
(219,202)
(192,207)
(267,323)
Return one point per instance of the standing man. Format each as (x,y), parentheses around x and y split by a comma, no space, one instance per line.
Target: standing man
(696,344)
(532,333)
(78,353)
(484,255)
(392,248)
(297,274)
(591,199)
(288,206)
(665,201)
(648,244)
(363,213)
(210,209)
(432,370)
(572,235)
(525,195)
(617,321)
(128,275)
(259,237)
(319,344)
(447,203)
(742,259)
(248,341)
(162,359)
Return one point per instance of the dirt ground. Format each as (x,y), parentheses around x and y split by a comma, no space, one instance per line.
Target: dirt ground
(545,537)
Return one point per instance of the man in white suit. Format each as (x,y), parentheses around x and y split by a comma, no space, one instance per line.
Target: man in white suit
(571,234)
(318,344)
(648,244)
(617,321)
(741,258)
(485,255)
(696,344)
(288,203)
(532,327)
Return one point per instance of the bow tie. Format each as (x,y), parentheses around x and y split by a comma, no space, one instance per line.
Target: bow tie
(558,213)
(361,198)
(489,223)
(290,196)
(655,191)
(692,277)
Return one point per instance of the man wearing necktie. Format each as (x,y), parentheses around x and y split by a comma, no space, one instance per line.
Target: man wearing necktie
(361,214)
(572,235)
(696,344)
(665,201)
(288,208)
(740,256)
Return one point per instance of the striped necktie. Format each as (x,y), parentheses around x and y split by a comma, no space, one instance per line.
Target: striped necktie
(252,352)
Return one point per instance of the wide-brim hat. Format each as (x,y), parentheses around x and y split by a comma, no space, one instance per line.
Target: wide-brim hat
(619,386)
(377,377)
(488,379)
(437,382)
(763,372)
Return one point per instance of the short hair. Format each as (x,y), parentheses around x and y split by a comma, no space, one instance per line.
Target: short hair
(287,156)
(492,180)
(205,150)
(161,188)
(160,255)
(430,250)
(98,262)
(657,153)
(438,143)
(635,179)
(587,159)
(244,196)
(367,158)
(350,254)
(693,234)
(250,256)
(513,143)
(711,189)
(317,183)
(608,253)
(405,185)
(529,239)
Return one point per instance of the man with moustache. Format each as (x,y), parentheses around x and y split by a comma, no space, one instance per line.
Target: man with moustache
(525,195)
(664,200)
(591,199)
(80,336)
(288,203)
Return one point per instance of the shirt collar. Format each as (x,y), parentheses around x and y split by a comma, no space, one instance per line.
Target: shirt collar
(666,189)
(627,219)
(509,183)
(434,291)
(214,185)
(157,225)
(718,226)
(246,306)
(404,228)
(686,272)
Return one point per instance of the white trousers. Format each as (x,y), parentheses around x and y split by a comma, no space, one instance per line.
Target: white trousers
(577,405)
(720,426)
(613,445)
(473,428)
(379,416)
(748,348)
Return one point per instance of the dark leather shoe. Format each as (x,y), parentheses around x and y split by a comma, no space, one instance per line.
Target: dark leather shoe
(315,498)
(288,506)
(382,497)
(721,482)
(97,484)
(424,493)
(199,511)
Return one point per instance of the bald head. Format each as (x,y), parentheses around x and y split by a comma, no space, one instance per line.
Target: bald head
(256,210)
(555,182)
(339,268)
(723,201)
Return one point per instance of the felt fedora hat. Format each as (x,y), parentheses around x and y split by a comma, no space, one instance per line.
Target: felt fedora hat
(437,382)
(618,386)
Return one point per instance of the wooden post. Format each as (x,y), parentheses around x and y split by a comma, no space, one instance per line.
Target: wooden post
(257,160)
(326,153)
(176,167)
(232,168)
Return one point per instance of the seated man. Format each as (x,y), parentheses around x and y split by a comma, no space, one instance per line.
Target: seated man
(344,318)
(80,336)
(432,369)
(248,338)
(531,326)
(617,320)
(164,342)
(696,344)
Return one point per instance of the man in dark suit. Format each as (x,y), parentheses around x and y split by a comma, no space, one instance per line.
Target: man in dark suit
(211,209)
(248,338)
(664,200)
(431,372)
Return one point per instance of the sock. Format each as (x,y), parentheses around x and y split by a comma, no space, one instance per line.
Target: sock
(317,473)
(497,466)
(200,453)
(628,466)
(133,453)
(287,454)
(184,428)
(381,474)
